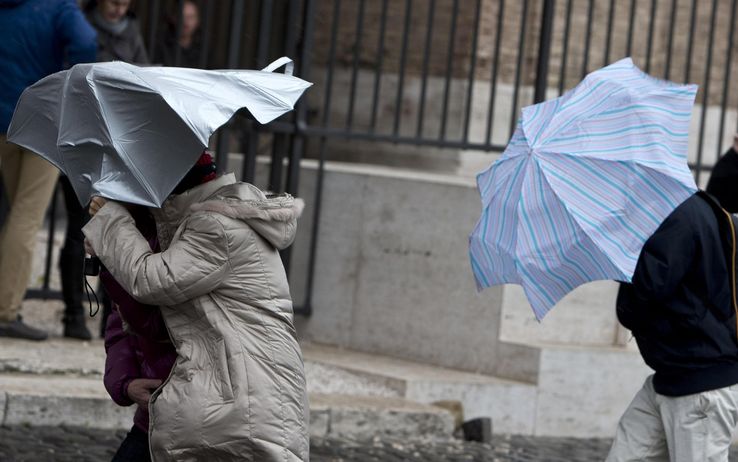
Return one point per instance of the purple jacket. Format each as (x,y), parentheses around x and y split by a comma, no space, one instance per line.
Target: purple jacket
(142,349)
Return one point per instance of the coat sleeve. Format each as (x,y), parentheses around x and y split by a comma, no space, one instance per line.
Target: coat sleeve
(193,265)
(121,362)
(76,33)
(665,259)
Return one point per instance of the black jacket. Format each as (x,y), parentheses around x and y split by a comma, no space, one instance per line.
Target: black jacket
(679,304)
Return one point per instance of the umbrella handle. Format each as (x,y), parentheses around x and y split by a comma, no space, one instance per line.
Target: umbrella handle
(279,63)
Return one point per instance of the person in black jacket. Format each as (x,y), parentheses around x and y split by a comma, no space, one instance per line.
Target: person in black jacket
(679,308)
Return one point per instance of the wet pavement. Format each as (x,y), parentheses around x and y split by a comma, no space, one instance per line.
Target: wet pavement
(61,444)
(67,444)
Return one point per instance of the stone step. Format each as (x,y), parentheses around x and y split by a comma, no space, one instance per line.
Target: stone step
(329,371)
(510,404)
(48,400)
(580,390)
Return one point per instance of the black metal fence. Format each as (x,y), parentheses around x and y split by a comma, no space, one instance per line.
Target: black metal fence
(447,74)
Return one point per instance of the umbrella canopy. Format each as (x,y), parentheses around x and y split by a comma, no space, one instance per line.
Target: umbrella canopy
(584,182)
(131,133)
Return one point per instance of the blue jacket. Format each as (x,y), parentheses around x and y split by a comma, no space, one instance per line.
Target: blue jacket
(38,38)
(679,304)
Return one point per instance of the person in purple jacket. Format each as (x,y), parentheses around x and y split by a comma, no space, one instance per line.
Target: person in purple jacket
(140,354)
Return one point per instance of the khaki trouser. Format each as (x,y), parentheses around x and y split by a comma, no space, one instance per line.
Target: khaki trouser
(29,183)
(688,428)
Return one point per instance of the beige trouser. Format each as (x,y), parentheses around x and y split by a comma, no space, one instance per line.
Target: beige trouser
(688,428)
(29,183)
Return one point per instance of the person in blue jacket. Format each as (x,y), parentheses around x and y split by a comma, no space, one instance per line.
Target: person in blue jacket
(680,309)
(40,37)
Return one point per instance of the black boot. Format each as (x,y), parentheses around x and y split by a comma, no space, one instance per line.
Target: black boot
(71,266)
(74,325)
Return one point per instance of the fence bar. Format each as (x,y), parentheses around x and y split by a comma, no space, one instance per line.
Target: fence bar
(234,49)
(355,67)
(403,63)
(608,40)
(50,240)
(290,41)
(279,147)
(651,25)
(307,307)
(544,50)
(177,47)
(250,139)
(690,41)
(328,132)
(153,25)
(222,146)
(380,61)
(206,31)
(706,88)
(565,51)
(472,71)
(631,24)
(265,29)
(234,36)
(726,80)
(670,44)
(331,63)
(298,142)
(588,36)
(426,59)
(519,69)
(449,70)
(495,65)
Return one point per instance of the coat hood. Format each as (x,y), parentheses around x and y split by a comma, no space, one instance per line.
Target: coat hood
(273,217)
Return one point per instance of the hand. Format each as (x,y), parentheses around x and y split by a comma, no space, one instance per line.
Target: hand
(88,248)
(96,204)
(139,390)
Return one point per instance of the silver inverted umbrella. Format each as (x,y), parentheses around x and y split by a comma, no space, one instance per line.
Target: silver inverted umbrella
(131,133)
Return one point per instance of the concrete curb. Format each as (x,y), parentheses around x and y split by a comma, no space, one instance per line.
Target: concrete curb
(29,400)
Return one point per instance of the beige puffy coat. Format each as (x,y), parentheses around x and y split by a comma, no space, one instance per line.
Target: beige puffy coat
(237,390)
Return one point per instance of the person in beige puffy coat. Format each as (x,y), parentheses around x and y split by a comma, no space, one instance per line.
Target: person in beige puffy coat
(237,390)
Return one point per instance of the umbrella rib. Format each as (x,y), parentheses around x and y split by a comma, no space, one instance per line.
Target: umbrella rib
(577,217)
(125,159)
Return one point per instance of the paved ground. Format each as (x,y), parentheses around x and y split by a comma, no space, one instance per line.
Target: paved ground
(67,444)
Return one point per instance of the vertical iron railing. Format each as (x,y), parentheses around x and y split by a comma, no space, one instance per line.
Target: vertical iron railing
(447,74)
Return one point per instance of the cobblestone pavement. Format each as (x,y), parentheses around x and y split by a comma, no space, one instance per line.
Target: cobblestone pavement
(67,444)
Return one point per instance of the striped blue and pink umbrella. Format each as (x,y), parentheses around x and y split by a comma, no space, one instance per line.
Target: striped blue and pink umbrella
(584,182)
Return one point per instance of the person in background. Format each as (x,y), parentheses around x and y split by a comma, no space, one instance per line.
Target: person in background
(39,37)
(118,35)
(189,41)
(723,184)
